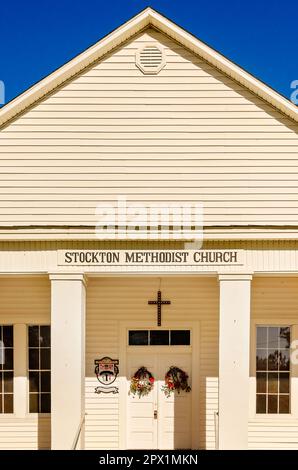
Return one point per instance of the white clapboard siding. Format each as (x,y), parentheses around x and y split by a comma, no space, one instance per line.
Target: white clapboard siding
(274,299)
(30,433)
(25,300)
(276,435)
(187,133)
(111,300)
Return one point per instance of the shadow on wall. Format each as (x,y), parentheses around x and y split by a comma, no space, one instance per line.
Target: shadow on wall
(44,432)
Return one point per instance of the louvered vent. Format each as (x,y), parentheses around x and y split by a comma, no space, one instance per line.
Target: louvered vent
(150,59)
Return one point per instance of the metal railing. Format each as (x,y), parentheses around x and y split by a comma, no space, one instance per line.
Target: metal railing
(216,429)
(78,433)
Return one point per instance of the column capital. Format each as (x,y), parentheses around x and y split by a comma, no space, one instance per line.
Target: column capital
(235,277)
(65,276)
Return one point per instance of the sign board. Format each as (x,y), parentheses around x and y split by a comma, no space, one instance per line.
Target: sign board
(150,257)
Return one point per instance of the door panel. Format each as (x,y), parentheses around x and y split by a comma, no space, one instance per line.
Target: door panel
(172,428)
(174,423)
(141,425)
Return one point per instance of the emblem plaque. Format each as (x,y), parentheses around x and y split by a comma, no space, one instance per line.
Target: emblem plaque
(106,371)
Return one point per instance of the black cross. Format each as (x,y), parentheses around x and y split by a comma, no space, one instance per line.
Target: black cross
(159,303)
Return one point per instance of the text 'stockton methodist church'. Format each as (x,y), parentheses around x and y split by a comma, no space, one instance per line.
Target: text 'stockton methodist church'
(130,342)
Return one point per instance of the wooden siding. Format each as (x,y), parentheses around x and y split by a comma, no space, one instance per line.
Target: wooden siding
(260,257)
(186,134)
(274,300)
(30,433)
(111,300)
(25,300)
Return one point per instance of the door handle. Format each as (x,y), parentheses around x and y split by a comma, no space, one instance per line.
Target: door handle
(155,414)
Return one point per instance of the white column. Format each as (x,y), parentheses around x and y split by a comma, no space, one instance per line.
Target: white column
(68,300)
(234,341)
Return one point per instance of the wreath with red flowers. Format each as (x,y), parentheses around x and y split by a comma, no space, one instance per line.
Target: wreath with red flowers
(175,379)
(142,382)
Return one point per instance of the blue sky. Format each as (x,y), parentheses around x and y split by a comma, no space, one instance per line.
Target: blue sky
(37,37)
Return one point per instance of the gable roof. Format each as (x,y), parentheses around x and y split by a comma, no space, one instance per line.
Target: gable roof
(146,18)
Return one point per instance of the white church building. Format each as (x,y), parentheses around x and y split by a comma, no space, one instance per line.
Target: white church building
(152,114)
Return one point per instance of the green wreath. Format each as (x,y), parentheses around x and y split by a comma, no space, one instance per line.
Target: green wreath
(175,379)
(142,382)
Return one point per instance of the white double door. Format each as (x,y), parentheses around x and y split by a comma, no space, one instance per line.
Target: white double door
(155,421)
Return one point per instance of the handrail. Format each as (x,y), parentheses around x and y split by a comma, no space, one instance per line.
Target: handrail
(78,433)
(216,429)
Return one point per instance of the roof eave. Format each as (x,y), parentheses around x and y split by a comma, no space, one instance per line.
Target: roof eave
(144,19)
(225,65)
(74,66)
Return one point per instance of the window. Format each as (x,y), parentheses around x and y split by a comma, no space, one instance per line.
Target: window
(159,337)
(39,342)
(273,369)
(6,369)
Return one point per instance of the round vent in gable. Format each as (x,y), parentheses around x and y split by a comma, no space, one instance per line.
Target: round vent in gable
(150,59)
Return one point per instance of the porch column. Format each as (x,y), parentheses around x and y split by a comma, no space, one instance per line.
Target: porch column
(68,358)
(234,341)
